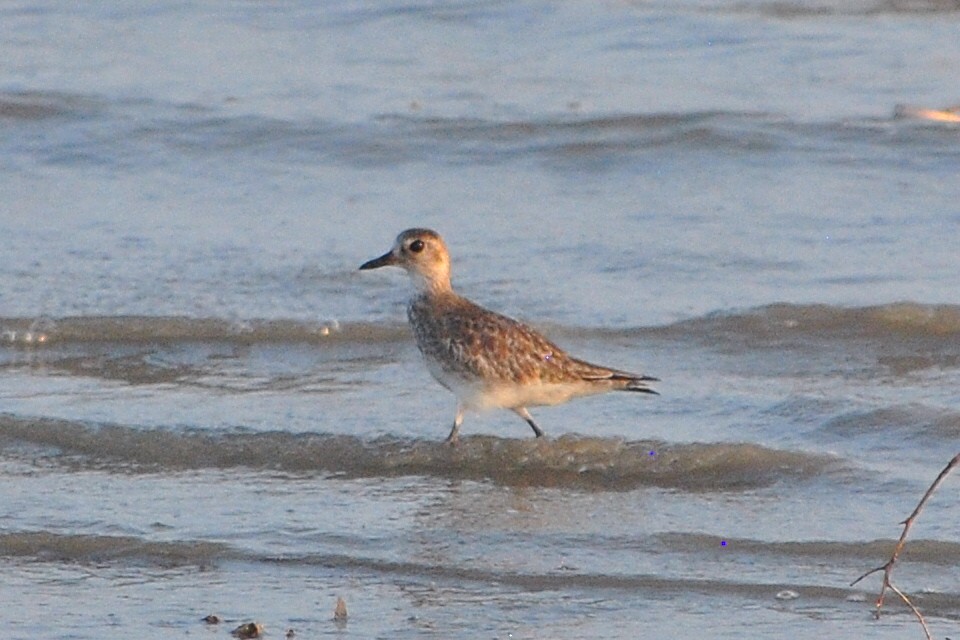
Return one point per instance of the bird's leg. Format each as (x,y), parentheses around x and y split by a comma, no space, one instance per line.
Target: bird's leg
(523,413)
(454,436)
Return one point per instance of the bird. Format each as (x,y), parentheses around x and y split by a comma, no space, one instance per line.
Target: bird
(488,360)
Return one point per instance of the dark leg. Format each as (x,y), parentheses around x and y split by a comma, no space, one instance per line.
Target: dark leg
(454,436)
(523,413)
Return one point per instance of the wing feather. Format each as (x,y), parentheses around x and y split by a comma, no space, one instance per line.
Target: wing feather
(475,343)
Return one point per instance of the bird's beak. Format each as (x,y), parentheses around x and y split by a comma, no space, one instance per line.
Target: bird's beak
(385,260)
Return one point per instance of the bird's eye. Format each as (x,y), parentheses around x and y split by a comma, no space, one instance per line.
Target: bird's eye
(416,246)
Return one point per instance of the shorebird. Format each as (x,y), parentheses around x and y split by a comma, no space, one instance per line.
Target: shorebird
(487,359)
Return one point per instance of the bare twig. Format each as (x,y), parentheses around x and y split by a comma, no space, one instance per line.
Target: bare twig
(888,567)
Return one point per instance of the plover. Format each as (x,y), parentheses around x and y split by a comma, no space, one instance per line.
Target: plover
(486,359)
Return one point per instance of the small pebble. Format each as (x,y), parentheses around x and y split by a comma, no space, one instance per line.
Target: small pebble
(248,630)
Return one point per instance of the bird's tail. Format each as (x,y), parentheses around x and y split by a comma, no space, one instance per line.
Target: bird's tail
(635,383)
(620,380)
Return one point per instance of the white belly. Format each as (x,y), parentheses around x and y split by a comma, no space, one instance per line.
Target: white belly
(478,394)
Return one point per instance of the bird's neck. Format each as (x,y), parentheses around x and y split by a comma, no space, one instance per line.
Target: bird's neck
(432,287)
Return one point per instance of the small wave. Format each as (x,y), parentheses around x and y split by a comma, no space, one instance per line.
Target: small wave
(806,9)
(157,133)
(44,545)
(35,332)
(904,422)
(91,549)
(764,324)
(131,550)
(568,461)
(935,552)
(777,322)
(610,136)
(564,140)
(43,105)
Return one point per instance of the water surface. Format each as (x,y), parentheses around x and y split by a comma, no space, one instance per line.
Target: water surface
(205,408)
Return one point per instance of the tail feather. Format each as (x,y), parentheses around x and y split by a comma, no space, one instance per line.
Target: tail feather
(636,383)
(629,381)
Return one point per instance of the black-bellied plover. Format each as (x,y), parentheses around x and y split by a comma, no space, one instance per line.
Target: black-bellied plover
(486,359)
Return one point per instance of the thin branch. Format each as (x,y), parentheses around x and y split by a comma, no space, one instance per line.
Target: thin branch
(888,567)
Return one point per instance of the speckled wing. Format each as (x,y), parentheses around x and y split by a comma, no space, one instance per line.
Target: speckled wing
(475,343)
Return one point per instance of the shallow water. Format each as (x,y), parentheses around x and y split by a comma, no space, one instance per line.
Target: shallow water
(205,408)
